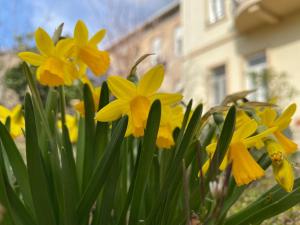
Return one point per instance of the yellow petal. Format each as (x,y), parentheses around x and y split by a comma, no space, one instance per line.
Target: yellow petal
(32,58)
(245,130)
(151,80)
(44,42)
(139,109)
(113,111)
(80,108)
(15,130)
(97,38)
(205,167)
(4,113)
(268,116)
(252,141)
(81,33)
(165,137)
(97,61)
(54,72)
(64,47)
(288,145)
(121,88)
(167,99)
(284,119)
(284,175)
(244,167)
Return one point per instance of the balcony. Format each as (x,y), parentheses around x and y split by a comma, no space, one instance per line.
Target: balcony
(250,14)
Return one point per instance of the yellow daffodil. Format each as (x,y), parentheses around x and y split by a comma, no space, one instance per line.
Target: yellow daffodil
(54,68)
(86,51)
(170,119)
(17,122)
(135,100)
(270,119)
(244,168)
(96,95)
(282,169)
(71,123)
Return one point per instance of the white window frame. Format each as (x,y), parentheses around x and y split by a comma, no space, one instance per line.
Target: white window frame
(216,10)
(156,49)
(178,41)
(218,83)
(256,64)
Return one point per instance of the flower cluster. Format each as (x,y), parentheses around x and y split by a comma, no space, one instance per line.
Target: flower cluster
(62,62)
(17,123)
(262,129)
(134,100)
(67,60)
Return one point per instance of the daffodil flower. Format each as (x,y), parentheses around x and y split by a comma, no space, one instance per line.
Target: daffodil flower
(244,168)
(170,119)
(96,91)
(282,169)
(54,68)
(71,124)
(86,51)
(17,122)
(270,119)
(135,100)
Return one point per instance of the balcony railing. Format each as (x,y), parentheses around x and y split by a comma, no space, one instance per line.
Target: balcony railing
(250,14)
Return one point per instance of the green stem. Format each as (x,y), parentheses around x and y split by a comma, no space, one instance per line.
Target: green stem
(62,104)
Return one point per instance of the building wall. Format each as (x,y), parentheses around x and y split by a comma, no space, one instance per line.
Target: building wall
(126,52)
(8,97)
(207,46)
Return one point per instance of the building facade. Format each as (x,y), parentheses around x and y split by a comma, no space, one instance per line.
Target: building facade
(160,35)
(225,41)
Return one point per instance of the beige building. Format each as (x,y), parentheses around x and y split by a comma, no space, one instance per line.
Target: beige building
(226,40)
(160,35)
(8,97)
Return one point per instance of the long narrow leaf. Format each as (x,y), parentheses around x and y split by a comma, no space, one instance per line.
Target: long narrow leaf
(37,177)
(145,161)
(103,166)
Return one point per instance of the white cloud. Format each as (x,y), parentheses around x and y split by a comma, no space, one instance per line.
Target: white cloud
(43,16)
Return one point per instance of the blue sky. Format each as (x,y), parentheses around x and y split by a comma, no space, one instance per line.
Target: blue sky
(20,17)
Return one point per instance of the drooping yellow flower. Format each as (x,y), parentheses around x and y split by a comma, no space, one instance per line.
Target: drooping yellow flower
(17,122)
(96,91)
(54,68)
(244,168)
(135,100)
(86,51)
(282,169)
(270,119)
(72,125)
(170,119)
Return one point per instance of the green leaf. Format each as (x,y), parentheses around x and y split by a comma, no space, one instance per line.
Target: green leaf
(70,182)
(9,216)
(170,185)
(17,164)
(37,176)
(269,204)
(89,152)
(122,219)
(103,166)
(102,128)
(80,153)
(223,144)
(145,161)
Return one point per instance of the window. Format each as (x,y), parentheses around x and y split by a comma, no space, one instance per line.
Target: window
(178,42)
(156,49)
(216,10)
(218,84)
(255,79)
